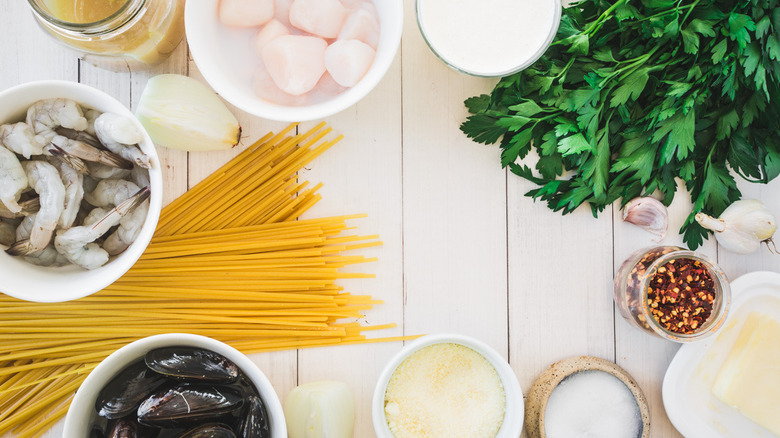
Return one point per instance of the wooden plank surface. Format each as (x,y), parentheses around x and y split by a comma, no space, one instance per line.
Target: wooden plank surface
(464,251)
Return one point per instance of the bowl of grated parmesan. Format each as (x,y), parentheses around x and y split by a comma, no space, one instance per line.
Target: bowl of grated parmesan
(448,386)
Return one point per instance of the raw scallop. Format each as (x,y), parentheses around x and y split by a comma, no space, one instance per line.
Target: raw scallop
(268,33)
(295,62)
(266,88)
(361,25)
(348,61)
(320,17)
(282,12)
(245,13)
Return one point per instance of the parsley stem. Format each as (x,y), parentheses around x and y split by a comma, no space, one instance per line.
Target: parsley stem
(603,17)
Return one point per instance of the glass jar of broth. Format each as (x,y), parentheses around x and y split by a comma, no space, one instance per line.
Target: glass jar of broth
(114,33)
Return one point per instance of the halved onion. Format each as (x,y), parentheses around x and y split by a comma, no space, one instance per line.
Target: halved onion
(179,112)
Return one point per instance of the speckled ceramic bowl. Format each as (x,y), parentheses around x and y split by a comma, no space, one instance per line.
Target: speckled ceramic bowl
(536,402)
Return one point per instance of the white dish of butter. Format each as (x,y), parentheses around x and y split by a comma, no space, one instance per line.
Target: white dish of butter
(723,387)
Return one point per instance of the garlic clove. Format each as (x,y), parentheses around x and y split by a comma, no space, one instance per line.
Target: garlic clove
(324,409)
(742,227)
(648,213)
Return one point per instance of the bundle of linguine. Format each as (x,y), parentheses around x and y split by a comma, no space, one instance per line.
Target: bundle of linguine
(229,260)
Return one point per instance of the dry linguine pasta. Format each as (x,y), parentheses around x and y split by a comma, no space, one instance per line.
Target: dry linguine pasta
(229,260)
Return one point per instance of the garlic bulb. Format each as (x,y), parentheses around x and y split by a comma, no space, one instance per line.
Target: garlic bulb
(742,227)
(648,213)
(179,112)
(323,409)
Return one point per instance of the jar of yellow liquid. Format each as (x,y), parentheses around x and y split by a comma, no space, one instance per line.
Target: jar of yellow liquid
(115,33)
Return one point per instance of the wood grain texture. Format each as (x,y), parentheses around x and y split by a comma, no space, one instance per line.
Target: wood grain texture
(454,205)
(464,251)
(362,174)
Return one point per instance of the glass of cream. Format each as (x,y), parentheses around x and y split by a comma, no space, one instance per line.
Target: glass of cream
(488,38)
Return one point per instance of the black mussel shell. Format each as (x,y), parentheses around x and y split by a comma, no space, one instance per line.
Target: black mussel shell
(128,427)
(187,404)
(122,428)
(123,394)
(192,363)
(96,432)
(209,431)
(254,424)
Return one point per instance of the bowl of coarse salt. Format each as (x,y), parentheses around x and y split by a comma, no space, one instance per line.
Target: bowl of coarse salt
(448,385)
(586,396)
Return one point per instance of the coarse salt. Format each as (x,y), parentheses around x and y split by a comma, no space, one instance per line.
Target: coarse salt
(592,404)
(445,391)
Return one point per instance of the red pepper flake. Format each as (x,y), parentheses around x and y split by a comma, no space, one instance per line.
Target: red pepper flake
(681,295)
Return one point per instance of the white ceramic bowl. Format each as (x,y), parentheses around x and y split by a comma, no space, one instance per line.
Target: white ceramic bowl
(82,409)
(514,411)
(44,284)
(225,60)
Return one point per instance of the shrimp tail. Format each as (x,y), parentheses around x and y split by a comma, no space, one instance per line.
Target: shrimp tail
(74,162)
(114,160)
(136,200)
(88,153)
(21,248)
(143,161)
(81,136)
(30,206)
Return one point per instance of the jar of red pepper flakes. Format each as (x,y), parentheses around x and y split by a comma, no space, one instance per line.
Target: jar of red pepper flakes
(673,293)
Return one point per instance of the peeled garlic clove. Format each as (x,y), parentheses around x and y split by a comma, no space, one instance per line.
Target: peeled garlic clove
(179,112)
(322,409)
(742,227)
(648,213)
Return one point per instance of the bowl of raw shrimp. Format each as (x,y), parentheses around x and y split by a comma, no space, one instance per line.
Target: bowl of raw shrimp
(294,60)
(80,191)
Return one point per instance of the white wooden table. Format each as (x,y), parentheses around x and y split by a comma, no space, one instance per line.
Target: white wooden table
(463,251)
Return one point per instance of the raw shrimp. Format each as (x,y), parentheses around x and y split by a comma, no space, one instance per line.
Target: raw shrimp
(74,192)
(110,192)
(89,184)
(82,136)
(86,152)
(20,138)
(45,179)
(129,229)
(46,115)
(101,171)
(7,233)
(121,136)
(77,244)
(13,180)
(45,257)
(28,207)
(140,177)
(94,215)
(91,116)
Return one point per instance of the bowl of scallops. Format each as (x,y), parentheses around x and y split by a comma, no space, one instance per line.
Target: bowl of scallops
(294,60)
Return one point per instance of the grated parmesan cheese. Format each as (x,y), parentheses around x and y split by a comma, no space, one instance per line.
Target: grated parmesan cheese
(445,391)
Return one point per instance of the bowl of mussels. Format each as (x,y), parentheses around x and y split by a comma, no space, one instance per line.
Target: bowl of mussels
(176,385)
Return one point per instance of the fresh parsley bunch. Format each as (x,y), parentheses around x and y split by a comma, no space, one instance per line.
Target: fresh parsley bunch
(634,94)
